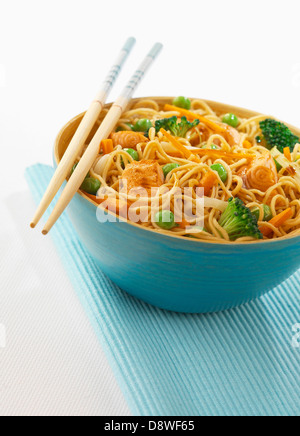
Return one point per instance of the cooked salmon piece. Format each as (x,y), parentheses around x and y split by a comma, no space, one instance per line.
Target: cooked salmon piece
(144,174)
(261,174)
(232,136)
(128,139)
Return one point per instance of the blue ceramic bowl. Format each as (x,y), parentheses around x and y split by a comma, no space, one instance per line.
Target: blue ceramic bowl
(182,275)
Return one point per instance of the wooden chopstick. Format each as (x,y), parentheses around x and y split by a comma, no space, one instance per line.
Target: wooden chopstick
(103,132)
(84,129)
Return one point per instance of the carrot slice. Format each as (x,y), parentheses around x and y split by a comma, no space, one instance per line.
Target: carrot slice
(287,153)
(193,116)
(107,146)
(183,224)
(247,144)
(186,153)
(95,199)
(277,221)
(208,181)
(222,154)
(204,152)
(211,124)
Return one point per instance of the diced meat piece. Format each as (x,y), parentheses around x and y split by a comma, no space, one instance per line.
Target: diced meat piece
(232,136)
(144,174)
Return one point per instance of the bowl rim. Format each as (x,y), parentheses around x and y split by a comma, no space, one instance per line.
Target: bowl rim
(172,236)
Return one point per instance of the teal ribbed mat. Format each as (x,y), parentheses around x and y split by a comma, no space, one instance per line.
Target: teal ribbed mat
(239,362)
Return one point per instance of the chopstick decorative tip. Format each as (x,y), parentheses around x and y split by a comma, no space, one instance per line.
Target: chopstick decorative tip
(156,49)
(129,44)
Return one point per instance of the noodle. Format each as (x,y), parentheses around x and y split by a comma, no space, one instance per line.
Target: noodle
(282,192)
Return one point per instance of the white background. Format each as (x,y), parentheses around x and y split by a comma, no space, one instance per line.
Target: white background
(53,57)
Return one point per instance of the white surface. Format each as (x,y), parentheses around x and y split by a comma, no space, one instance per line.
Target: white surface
(53,56)
(52,363)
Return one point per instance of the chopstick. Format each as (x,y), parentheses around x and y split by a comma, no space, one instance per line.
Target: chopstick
(84,129)
(103,132)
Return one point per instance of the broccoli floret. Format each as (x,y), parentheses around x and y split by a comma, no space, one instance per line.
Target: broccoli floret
(276,134)
(176,129)
(238,221)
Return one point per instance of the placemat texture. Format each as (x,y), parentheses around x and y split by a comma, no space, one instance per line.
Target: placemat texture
(239,362)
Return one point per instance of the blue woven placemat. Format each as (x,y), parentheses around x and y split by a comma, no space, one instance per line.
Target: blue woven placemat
(239,362)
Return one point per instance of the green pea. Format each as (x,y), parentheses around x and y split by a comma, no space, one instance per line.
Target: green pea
(169,167)
(278,166)
(74,167)
(231,119)
(183,102)
(205,146)
(267,213)
(121,129)
(165,219)
(91,185)
(221,171)
(142,125)
(133,153)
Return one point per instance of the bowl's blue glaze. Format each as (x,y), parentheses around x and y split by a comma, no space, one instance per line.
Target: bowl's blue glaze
(182,275)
